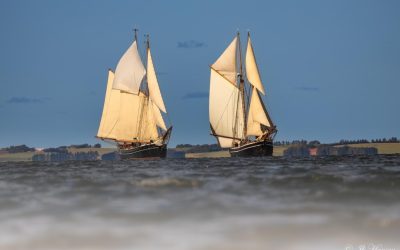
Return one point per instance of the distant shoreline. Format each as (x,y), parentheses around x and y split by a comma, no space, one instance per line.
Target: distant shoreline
(382,147)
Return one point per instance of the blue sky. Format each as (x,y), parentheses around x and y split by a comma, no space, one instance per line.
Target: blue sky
(331,69)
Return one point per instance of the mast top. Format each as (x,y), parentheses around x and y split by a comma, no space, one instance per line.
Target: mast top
(135,30)
(240,57)
(148,41)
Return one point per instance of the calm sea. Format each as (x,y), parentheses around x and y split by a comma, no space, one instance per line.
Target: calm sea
(260,203)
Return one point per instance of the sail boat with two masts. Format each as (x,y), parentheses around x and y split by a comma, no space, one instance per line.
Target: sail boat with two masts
(133,105)
(238,117)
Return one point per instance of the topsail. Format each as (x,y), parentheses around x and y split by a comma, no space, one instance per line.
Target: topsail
(130,71)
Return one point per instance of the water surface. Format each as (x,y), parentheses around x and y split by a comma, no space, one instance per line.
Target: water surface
(226,203)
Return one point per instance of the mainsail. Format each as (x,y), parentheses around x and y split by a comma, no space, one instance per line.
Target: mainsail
(131,114)
(121,111)
(226,115)
(227,109)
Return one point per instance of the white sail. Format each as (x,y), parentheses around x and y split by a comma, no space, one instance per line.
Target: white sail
(225,142)
(110,110)
(158,117)
(226,63)
(149,126)
(120,118)
(251,68)
(126,128)
(257,115)
(225,107)
(253,127)
(130,71)
(240,122)
(154,89)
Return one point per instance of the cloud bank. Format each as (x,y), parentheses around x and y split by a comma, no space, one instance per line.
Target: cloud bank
(307,88)
(25,100)
(195,95)
(191,44)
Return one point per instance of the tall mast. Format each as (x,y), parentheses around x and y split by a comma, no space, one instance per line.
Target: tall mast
(241,88)
(144,103)
(146,88)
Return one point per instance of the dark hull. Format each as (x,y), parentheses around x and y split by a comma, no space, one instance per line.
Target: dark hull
(253,149)
(150,150)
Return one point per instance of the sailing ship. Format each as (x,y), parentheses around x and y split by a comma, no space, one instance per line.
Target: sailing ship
(238,117)
(133,103)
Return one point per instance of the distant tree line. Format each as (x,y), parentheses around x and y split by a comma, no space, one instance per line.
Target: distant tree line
(381,140)
(97,145)
(18,149)
(392,139)
(341,142)
(62,149)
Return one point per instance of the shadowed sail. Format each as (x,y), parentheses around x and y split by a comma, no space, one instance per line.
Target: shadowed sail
(245,128)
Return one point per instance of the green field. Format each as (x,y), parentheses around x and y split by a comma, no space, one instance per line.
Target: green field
(216,154)
(26,156)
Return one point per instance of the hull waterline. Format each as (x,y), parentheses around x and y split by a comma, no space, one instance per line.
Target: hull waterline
(146,151)
(253,149)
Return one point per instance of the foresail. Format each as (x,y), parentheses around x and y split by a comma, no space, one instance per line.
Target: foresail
(253,127)
(130,71)
(154,89)
(149,127)
(252,73)
(226,63)
(257,115)
(158,117)
(223,107)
